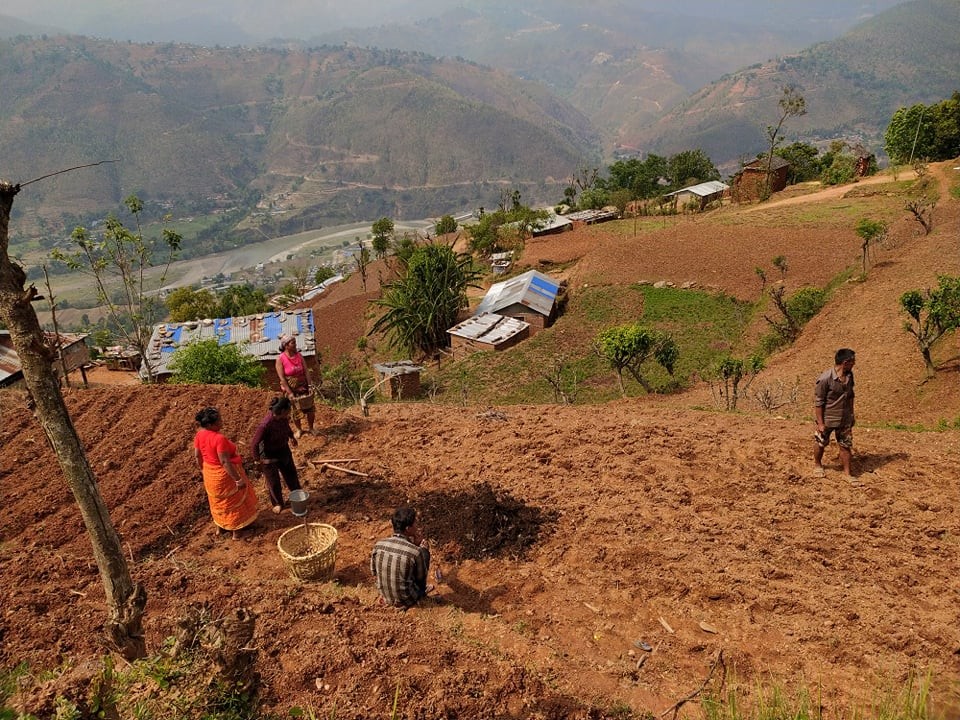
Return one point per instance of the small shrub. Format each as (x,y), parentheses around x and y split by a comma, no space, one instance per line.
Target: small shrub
(805,303)
(206,362)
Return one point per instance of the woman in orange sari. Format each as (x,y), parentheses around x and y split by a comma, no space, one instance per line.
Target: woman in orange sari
(233,502)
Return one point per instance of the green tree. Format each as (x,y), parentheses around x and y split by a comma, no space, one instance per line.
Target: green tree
(804,162)
(791,104)
(445,225)
(382,236)
(185,304)
(838,167)
(240,300)
(118,261)
(933,314)
(690,167)
(731,377)
(794,311)
(871,233)
(427,298)
(594,199)
(207,362)
(628,347)
(505,229)
(323,274)
(641,178)
(910,134)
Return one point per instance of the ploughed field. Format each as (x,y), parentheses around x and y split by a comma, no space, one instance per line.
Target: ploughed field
(569,539)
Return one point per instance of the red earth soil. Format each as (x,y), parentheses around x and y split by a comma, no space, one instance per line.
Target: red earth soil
(569,538)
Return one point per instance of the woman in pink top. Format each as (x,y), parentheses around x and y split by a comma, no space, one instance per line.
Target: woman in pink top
(292,371)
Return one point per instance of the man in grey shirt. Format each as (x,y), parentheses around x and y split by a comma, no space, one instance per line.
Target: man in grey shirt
(833,408)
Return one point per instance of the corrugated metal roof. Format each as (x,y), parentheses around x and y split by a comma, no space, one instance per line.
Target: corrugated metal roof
(533,289)
(552,223)
(397,367)
(592,216)
(10,369)
(703,189)
(257,335)
(489,328)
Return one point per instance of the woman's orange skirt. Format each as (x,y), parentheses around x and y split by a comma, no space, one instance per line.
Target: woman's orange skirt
(232,508)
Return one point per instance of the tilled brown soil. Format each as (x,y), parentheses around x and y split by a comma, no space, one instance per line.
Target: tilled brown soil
(568,538)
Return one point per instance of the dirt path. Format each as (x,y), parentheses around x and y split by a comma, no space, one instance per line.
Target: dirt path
(827,193)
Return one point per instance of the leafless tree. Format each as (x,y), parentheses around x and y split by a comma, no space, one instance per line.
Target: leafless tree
(792,104)
(922,211)
(126,599)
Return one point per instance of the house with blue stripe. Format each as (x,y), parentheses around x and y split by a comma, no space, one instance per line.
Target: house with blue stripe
(257,335)
(530,297)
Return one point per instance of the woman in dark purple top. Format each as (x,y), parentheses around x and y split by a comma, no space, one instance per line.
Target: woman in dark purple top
(271,448)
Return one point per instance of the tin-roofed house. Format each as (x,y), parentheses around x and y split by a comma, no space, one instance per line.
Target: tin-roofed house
(698,196)
(70,353)
(11,372)
(530,297)
(257,335)
(486,332)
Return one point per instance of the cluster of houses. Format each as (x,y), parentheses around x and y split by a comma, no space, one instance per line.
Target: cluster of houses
(510,312)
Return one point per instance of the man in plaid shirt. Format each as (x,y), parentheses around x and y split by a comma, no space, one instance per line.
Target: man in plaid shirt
(400,562)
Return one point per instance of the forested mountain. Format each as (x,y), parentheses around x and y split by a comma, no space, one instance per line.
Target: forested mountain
(852,86)
(193,126)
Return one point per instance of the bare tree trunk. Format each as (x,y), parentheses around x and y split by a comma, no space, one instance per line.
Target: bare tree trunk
(56,328)
(125,598)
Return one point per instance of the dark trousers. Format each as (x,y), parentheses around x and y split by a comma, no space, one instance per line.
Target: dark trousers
(273,471)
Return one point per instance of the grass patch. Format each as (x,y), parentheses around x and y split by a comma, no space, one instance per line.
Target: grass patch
(704,325)
(772,701)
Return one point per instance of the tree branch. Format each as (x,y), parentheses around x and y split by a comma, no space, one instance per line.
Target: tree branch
(60,172)
(683,701)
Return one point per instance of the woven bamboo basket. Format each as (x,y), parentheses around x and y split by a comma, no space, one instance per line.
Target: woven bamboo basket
(309,550)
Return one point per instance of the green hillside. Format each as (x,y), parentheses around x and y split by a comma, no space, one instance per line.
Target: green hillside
(197,128)
(851,85)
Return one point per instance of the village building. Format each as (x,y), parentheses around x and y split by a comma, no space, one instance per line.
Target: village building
(120,358)
(552,225)
(256,335)
(591,217)
(750,182)
(70,350)
(698,196)
(530,297)
(401,378)
(489,331)
(865,162)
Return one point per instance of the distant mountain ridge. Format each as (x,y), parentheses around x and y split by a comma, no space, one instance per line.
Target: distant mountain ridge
(852,86)
(621,63)
(189,123)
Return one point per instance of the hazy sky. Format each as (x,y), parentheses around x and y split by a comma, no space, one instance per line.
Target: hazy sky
(259,20)
(251,21)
